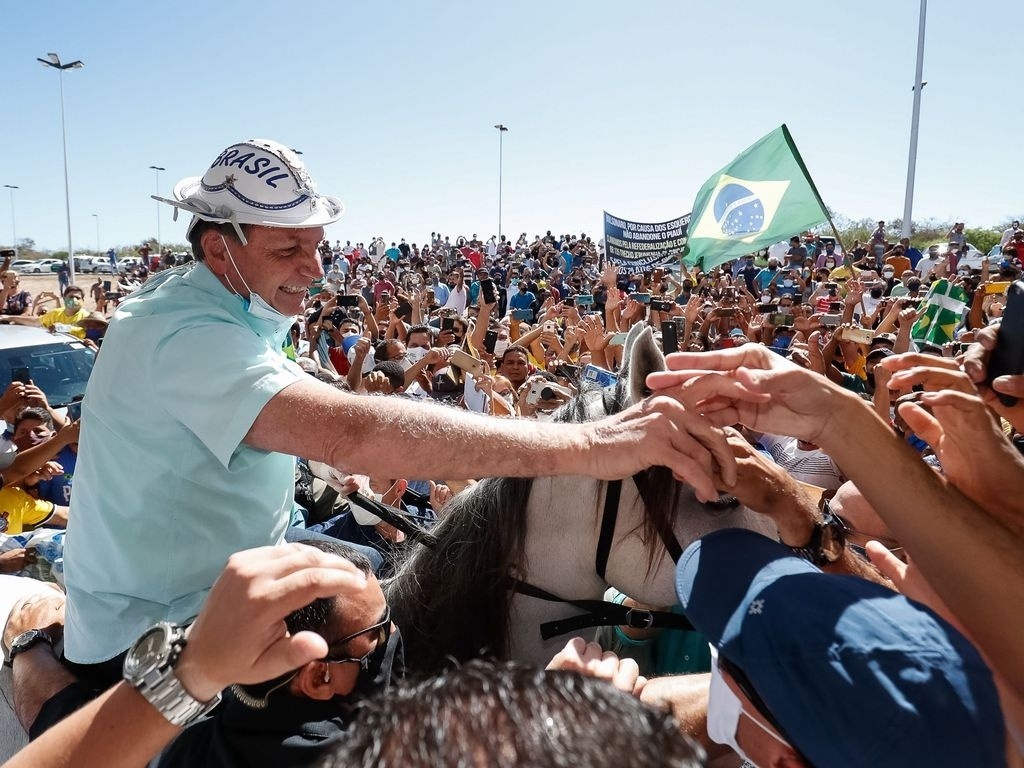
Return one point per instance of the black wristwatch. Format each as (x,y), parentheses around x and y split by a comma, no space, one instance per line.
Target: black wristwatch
(27,640)
(827,542)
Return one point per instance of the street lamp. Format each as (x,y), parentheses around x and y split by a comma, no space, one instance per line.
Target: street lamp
(53,60)
(502,130)
(14,233)
(159,246)
(915,120)
(99,251)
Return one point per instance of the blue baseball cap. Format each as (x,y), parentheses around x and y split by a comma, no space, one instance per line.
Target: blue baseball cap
(853,673)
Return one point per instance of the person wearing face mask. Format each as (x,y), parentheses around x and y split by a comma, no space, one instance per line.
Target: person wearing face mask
(64,319)
(866,677)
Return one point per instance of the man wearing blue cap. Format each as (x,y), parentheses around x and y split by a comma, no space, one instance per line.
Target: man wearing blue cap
(816,669)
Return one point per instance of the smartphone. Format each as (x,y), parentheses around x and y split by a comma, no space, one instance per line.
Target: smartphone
(106,285)
(617,340)
(835,306)
(669,339)
(490,340)
(21,374)
(75,410)
(467,362)
(447,323)
(661,306)
(657,275)
(1001,287)
(550,327)
(487,291)
(831,321)
(1008,357)
(907,303)
(726,311)
(348,301)
(385,297)
(781,319)
(522,314)
(599,376)
(764,309)
(643,298)
(585,300)
(859,335)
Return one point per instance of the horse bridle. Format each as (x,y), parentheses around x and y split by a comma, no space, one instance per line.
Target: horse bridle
(601,613)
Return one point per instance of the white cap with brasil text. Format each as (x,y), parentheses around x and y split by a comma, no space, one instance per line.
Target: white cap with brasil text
(260,182)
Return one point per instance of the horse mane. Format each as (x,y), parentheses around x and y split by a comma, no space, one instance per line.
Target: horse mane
(451,601)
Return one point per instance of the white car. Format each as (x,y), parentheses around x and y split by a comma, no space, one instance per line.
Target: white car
(39,266)
(57,363)
(973,258)
(97,264)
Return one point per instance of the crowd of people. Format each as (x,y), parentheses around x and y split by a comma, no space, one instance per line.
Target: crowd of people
(295,379)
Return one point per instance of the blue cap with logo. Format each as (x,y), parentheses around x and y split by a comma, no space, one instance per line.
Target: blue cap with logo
(854,673)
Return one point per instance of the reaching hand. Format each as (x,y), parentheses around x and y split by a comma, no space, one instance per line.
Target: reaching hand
(256,591)
(976,367)
(590,660)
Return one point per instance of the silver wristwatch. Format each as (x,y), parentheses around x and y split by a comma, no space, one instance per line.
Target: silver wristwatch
(149,668)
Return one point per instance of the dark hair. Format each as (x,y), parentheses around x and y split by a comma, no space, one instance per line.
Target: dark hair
(518,348)
(421,329)
(314,617)
(393,371)
(195,237)
(519,716)
(37,414)
(73,289)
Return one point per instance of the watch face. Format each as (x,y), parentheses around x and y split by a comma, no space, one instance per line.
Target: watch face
(148,651)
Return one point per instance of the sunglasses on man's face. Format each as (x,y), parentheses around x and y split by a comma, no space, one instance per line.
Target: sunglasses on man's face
(383,634)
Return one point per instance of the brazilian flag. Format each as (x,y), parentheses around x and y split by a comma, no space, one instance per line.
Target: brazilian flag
(763,196)
(943,310)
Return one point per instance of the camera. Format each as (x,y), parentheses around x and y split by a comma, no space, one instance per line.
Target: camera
(545,390)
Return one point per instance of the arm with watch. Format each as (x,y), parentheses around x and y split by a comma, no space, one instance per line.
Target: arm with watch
(173,676)
(965,554)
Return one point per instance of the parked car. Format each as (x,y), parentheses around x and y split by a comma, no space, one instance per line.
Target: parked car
(57,363)
(96,264)
(973,258)
(40,266)
(19,265)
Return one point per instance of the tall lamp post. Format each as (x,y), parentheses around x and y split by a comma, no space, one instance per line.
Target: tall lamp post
(53,60)
(908,203)
(14,231)
(99,250)
(502,130)
(159,240)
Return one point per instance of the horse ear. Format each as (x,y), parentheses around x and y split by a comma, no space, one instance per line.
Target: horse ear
(640,356)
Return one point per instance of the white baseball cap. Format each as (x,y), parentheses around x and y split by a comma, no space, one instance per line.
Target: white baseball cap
(260,182)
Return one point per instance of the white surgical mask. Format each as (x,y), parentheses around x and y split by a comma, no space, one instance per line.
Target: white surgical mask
(724,710)
(888,275)
(787,283)
(830,263)
(500,346)
(255,305)
(414,354)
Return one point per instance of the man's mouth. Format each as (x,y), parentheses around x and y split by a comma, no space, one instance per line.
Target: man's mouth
(293,289)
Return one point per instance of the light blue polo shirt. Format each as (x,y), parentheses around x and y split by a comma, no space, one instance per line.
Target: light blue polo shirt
(165,490)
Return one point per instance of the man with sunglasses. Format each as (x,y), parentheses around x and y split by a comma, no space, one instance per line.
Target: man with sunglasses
(286,720)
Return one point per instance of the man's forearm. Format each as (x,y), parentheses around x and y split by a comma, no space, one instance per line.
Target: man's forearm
(120,728)
(435,441)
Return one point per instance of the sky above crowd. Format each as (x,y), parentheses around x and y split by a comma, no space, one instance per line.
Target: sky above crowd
(621,107)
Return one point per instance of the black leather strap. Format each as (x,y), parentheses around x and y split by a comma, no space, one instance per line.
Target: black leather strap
(598,613)
(608,520)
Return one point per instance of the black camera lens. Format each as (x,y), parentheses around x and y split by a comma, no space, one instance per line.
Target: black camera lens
(547,394)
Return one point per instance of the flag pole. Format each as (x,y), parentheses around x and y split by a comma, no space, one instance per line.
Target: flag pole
(810,182)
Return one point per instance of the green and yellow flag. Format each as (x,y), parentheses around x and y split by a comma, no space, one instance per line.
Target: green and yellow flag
(763,196)
(942,313)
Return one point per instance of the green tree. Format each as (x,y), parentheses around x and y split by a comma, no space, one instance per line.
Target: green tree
(983,239)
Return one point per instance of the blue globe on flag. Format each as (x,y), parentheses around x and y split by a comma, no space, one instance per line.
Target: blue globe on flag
(738,211)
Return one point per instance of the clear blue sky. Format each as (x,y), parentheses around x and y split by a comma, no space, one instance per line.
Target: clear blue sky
(627,107)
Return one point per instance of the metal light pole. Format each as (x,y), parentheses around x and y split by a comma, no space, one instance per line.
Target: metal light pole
(99,251)
(502,130)
(908,203)
(53,60)
(159,240)
(14,231)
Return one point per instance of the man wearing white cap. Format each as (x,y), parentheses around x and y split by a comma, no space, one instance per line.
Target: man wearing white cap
(170,484)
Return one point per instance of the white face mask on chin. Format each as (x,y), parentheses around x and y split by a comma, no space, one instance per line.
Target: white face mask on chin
(255,305)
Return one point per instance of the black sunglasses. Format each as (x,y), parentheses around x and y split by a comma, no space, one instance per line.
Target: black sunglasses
(383,630)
